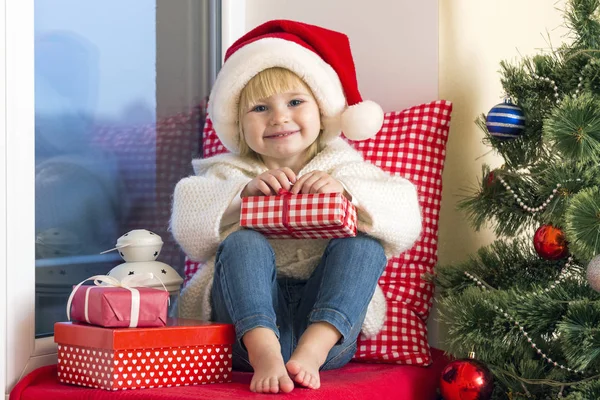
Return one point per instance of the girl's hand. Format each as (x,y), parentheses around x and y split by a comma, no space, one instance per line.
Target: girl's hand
(268,183)
(317,182)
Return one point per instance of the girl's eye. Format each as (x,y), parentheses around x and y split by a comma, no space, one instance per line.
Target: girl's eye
(296,102)
(259,108)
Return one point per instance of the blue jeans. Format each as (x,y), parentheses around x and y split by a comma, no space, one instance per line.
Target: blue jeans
(247,293)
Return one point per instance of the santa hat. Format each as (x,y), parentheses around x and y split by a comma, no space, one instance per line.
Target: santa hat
(320,57)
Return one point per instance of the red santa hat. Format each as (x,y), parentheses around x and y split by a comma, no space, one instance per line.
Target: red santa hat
(320,57)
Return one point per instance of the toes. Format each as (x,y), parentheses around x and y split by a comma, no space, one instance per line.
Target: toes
(262,386)
(315,382)
(308,378)
(286,384)
(273,385)
(311,382)
(293,368)
(300,376)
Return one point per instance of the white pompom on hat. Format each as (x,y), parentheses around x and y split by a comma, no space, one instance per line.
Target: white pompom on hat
(320,57)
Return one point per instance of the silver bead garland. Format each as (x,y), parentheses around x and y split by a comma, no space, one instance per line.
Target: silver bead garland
(526,207)
(587,66)
(542,206)
(564,273)
(551,81)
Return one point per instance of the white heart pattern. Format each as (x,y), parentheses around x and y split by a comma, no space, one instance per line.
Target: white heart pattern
(121,370)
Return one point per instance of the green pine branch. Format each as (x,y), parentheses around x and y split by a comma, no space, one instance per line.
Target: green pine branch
(583,19)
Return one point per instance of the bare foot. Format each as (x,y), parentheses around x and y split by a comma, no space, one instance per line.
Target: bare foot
(264,353)
(311,353)
(304,368)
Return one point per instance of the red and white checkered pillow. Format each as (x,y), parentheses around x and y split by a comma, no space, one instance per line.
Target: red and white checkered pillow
(411,144)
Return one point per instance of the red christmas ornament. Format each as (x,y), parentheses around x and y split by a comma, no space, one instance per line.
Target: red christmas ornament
(466,379)
(549,242)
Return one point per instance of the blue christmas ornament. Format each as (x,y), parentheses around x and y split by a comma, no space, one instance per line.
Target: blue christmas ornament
(505,121)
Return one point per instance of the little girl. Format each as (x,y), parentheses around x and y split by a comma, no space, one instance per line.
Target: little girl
(282,97)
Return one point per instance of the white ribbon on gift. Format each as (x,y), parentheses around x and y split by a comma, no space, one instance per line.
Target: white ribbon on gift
(130,283)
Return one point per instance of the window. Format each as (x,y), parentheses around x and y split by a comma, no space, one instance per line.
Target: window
(120,89)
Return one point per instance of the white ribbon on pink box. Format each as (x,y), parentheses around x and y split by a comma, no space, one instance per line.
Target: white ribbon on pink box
(130,283)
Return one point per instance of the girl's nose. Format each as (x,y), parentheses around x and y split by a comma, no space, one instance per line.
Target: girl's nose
(280,116)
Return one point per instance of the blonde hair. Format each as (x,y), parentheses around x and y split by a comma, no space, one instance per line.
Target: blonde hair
(265,84)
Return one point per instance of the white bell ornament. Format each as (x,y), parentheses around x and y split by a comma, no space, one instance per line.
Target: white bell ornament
(167,275)
(139,245)
(140,248)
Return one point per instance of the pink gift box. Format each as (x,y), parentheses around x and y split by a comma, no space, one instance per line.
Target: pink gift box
(114,307)
(300,216)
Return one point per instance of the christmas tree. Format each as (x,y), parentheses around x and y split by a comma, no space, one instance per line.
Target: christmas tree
(528,304)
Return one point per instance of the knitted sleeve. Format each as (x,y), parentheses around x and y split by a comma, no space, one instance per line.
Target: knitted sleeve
(199,203)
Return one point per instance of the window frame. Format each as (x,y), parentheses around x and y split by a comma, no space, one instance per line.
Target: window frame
(23,352)
(3,96)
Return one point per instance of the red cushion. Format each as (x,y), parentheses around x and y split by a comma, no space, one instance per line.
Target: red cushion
(411,144)
(354,381)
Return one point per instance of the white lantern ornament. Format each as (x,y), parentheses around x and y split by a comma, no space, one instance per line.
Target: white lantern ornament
(140,248)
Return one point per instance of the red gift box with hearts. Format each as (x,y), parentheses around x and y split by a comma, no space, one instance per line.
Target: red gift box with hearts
(184,352)
(300,216)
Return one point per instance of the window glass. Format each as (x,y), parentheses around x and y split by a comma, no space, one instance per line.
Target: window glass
(117,120)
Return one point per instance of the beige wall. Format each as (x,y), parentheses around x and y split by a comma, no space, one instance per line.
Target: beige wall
(475,36)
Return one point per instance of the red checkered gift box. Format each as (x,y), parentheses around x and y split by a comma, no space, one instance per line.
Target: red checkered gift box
(300,216)
(185,352)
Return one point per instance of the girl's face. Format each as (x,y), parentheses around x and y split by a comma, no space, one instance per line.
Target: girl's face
(282,127)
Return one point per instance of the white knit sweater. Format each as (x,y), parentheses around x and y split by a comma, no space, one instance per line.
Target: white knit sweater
(387,209)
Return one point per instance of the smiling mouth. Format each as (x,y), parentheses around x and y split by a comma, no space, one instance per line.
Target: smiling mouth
(280,135)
